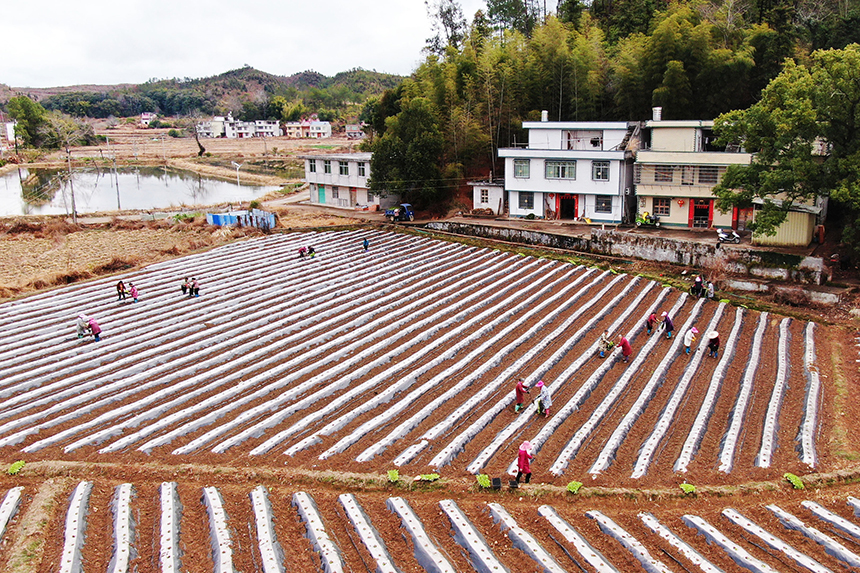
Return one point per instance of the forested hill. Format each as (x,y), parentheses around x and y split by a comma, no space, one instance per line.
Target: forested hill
(244,92)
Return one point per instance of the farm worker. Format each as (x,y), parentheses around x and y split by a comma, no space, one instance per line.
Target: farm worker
(626,349)
(184,285)
(133,291)
(651,322)
(524,461)
(697,286)
(82,325)
(668,324)
(311,252)
(689,338)
(95,328)
(713,343)
(195,288)
(521,391)
(366,244)
(605,343)
(710,290)
(120,291)
(544,400)
(303,251)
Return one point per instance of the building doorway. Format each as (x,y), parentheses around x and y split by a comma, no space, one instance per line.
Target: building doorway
(701,213)
(567,206)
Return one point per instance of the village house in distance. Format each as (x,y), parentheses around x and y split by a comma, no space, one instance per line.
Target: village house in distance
(340,180)
(220,126)
(571,170)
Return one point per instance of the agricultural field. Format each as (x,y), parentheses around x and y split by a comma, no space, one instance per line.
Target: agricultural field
(276,421)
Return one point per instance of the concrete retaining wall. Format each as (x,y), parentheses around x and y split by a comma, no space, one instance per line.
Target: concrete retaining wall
(753,263)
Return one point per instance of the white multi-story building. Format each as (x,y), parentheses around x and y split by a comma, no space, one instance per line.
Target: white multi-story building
(571,170)
(319,129)
(220,126)
(340,180)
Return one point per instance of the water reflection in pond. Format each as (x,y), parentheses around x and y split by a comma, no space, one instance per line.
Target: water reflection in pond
(48,192)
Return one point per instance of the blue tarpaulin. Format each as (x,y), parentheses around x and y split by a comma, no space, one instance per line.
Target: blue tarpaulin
(252,218)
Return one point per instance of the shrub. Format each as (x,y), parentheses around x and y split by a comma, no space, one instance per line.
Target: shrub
(174,133)
(688,488)
(254,205)
(484,481)
(795,481)
(393,476)
(15,468)
(573,487)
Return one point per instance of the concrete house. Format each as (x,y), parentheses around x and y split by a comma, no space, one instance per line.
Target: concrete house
(571,170)
(488,194)
(220,126)
(340,179)
(319,130)
(676,170)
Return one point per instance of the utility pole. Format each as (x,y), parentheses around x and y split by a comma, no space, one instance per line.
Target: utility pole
(72,187)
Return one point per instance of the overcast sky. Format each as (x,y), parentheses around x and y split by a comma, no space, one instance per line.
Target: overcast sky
(61,43)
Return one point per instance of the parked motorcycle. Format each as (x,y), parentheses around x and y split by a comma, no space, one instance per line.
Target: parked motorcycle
(648,220)
(724,237)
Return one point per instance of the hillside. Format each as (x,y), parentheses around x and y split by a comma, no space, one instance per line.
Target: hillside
(206,94)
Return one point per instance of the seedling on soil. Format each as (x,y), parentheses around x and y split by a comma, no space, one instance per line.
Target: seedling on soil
(427,477)
(795,481)
(393,476)
(573,487)
(484,481)
(687,488)
(15,468)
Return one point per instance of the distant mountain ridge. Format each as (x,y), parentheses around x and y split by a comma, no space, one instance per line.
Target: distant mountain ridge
(243,80)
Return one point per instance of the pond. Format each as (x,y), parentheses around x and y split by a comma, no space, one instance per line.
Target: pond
(48,192)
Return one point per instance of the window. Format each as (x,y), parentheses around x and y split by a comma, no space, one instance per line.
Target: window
(344,167)
(521,168)
(326,166)
(371,198)
(687,174)
(312,165)
(527,200)
(561,169)
(708,175)
(485,195)
(603,204)
(663,173)
(361,172)
(335,193)
(661,206)
(600,170)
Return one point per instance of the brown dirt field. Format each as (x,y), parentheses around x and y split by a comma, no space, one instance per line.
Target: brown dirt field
(236,473)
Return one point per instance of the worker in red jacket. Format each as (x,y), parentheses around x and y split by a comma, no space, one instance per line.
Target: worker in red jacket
(626,349)
(524,462)
(521,391)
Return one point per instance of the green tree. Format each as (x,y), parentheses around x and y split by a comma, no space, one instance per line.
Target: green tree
(30,117)
(804,136)
(406,158)
(448,23)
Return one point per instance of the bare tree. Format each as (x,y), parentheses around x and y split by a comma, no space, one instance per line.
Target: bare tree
(448,23)
(65,132)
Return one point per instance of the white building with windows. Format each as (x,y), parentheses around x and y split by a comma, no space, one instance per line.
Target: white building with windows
(571,170)
(488,195)
(220,126)
(319,130)
(340,180)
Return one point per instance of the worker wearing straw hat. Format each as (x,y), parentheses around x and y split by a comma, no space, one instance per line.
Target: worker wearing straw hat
(544,401)
(713,344)
(689,338)
(524,458)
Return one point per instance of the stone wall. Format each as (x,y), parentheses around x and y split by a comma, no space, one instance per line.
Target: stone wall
(752,263)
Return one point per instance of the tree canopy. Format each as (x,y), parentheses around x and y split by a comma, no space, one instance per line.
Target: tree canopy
(803,133)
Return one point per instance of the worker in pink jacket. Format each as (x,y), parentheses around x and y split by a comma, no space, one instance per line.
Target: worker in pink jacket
(95,328)
(524,462)
(132,290)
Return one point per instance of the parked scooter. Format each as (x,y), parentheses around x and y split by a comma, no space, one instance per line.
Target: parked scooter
(724,237)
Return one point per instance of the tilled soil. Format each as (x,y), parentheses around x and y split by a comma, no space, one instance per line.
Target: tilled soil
(329,286)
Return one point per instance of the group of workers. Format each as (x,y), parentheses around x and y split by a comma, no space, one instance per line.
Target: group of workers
(190,288)
(122,292)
